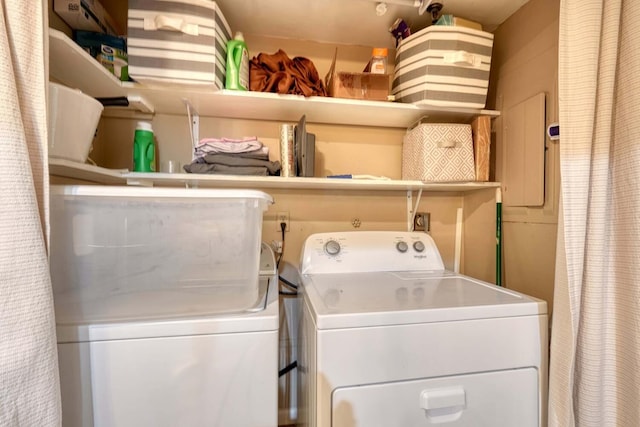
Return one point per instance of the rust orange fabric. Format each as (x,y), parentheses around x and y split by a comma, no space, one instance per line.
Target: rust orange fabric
(280,74)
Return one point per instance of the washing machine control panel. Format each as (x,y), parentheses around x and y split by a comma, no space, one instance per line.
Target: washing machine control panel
(366,251)
(332,247)
(402,246)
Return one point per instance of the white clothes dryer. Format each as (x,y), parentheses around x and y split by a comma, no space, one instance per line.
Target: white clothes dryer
(390,338)
(216,368)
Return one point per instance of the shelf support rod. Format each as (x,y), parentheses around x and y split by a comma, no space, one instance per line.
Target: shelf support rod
(411,208)
(458,242)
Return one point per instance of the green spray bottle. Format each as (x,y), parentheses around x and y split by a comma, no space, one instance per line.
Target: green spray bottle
(237,77)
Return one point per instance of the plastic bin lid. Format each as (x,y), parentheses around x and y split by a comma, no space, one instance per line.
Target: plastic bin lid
(155,192)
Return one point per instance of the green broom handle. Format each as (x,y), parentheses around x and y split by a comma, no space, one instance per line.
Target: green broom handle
(498,237)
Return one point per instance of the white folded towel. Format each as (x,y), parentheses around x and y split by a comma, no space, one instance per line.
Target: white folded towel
(228,145)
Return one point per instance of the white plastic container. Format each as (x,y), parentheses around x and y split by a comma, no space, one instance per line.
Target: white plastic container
(178,250)
(73,119)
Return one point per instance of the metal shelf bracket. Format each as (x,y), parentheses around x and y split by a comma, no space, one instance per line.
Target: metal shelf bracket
(412,208)
(194,126)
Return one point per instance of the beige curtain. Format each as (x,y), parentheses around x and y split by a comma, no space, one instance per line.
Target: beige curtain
(595,345)
(29,385)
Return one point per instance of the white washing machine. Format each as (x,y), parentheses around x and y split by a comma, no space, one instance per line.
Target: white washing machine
(216,368)
(392,339)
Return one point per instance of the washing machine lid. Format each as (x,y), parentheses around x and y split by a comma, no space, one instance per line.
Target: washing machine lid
(196,318)
(351,300)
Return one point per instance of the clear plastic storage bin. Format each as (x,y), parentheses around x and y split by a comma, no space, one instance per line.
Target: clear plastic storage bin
(122,253)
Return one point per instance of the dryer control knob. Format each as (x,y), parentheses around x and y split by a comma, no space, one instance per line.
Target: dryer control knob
(418,246)
(402,246)
(332,247)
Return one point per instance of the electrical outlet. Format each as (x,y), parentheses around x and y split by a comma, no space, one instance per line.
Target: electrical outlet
(280,218)
(421,221)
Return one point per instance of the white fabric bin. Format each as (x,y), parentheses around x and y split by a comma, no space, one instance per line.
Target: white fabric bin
(438,152)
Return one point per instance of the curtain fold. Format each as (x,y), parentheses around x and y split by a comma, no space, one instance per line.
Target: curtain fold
(29,384)
(595,352)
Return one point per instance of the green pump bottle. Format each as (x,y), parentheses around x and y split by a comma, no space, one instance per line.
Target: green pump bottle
(237,77)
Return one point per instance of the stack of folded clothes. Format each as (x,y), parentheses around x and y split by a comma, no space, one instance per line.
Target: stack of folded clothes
(226,156)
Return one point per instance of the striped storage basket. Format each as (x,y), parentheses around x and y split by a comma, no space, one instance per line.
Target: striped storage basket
(177,41)
(444,66)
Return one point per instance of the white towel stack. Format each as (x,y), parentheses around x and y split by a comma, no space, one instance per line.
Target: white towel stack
(249,144)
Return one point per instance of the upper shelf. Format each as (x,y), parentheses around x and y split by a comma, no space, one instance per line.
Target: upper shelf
(96,174)
(72,66)
(352,22)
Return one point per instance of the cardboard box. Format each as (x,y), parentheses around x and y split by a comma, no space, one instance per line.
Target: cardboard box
(455,21)
(115,61)
(368,86)
(481,131)
(110,51)
(86,15)
(92,42)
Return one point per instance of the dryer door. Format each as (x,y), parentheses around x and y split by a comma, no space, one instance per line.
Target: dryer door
(493,399)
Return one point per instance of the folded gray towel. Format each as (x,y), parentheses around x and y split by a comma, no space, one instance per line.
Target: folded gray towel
(217,169)
(257,154)
(231,160)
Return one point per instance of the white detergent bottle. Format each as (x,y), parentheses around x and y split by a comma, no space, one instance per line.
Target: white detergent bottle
(237,77)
